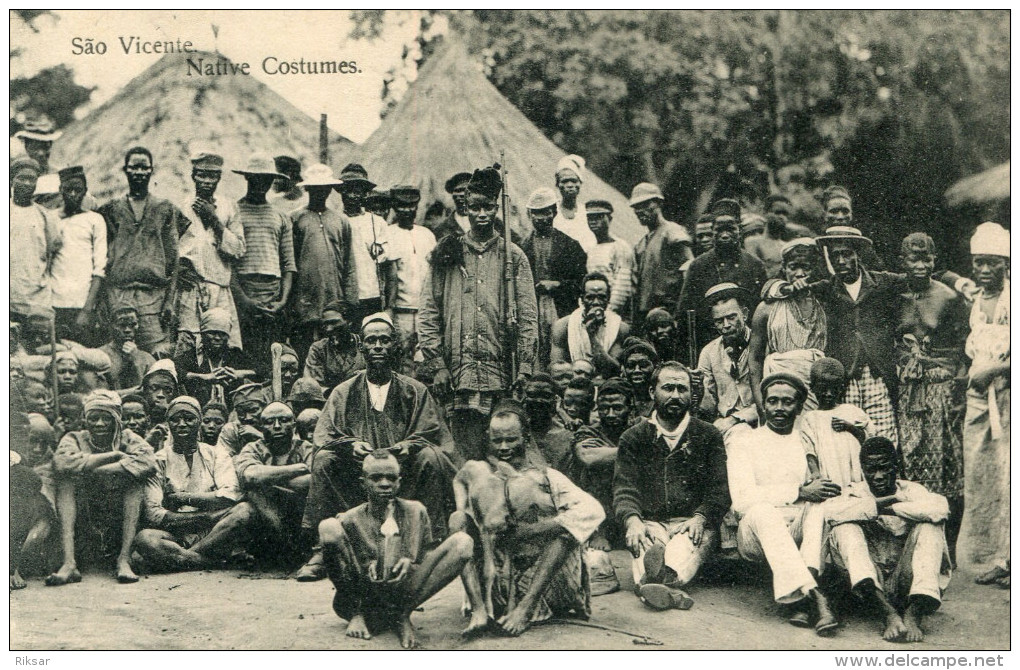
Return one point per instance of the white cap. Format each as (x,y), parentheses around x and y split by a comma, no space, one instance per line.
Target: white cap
(990,239)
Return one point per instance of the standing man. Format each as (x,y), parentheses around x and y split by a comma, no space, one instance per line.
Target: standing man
(986,427)
(379,203)
(670,491)
(210,246)
(727,262)
(373,253)
(557,265)
(660,253)
(413,248)
(287,196)
(143,233)
(324,255)
(265,275)
(611,256)
(457,222)
(35,239)
(571,216)
(768,248)
(463,330)
(80,264)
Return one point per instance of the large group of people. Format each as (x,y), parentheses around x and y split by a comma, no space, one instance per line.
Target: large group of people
(342,392)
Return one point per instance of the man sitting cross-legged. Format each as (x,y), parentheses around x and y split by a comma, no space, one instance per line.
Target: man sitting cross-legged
(191,506)
(274,472)
(379,409)
(96,469)
(532,523)
(377,556)
(772,498)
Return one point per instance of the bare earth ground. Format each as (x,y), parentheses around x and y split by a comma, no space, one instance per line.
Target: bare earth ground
(234,610)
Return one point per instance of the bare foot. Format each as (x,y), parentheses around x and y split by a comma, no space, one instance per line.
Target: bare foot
(405,629)
(67,574)
(125,575)
(358,629)
(598,542)
(912,622)
(516,622)
(478,625)
(894,628)
(17,581)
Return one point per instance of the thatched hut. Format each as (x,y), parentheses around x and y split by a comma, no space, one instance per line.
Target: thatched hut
(452,119)
(167,111)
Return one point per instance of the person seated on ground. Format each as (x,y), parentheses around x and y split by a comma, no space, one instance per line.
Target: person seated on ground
(304,424)
(27,510)
(249,400)
(69,375)
(561,372)
(70,413)
(100,472)
(670,491)
(661,332)
(531,518)
(379,409)
(378,557)
(583,368)
(724,363)
(192,517)
(290,369)
(305,394)
(577,404)
(37,398)
(275,472)
(134,415)
(907,540)
(551,441)
(337,356)
(128,363)
(591,331)
(638,362)
(33,352)
(159,387)
(772,500)
(32,493)
(214,417)
(215,363)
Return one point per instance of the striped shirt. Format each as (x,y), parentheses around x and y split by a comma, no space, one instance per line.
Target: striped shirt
(615,260)
(268,241)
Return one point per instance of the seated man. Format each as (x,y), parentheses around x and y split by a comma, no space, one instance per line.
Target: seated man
(771,491)
(215,369)
(128,363)
(159,387)
(561,372)
(729,400)
(337,356)
(551,441)
(134,415)
(591,331)
(100,472)
(249,401)
(532,523)
(670,491)
(379,409)
(577,404)
(214,417)
(305,394)
(32,515)
(192,516)
(638,362)
(378,558)
(275,472)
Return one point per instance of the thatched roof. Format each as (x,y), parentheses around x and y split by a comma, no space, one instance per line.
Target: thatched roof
(166,111)
(452,119)
(989,186)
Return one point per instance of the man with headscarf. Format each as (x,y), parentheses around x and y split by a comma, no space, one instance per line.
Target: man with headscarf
(77,283)
(248,402)
(726,262)
(101,472)
(336,356)
(611,256)
(658,255)
(463,331)
(413,245)
(159,386)
(571,216)
(209,247)
(212,367)
(379,409)
(323,251)
(142,233)
(287,196)
(192,515)
(557,266)
(35,240)
(986,426)
(263,278)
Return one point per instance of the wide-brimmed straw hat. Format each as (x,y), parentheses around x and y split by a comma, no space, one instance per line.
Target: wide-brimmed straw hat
(260,163)
(843,234)
(319,175)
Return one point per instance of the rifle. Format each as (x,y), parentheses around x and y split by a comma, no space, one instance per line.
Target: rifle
(692,344)
(508,276)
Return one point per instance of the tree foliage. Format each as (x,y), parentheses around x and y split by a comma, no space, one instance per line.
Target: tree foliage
(50,92)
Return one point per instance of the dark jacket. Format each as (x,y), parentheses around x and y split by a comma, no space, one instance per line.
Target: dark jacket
(568,266)
(658,484)
(186,361)
(704,273)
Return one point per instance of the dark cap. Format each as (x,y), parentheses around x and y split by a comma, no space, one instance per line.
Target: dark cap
(354,173)
(598,207)
(405,194)
(726,207)
(785,378)
(456,180)
(69,173)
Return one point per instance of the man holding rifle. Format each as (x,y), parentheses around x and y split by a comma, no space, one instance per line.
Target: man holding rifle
(478,321)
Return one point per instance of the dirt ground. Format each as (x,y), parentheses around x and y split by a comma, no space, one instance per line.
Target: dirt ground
(233,610)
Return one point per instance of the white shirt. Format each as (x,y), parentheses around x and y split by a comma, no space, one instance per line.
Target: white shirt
(377,394)
(672,438)
(368,229)
(854,289)
(576,227)
(411,248)
(82,257)
(765,467)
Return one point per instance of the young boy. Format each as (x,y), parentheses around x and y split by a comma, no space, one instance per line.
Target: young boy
(376,555)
